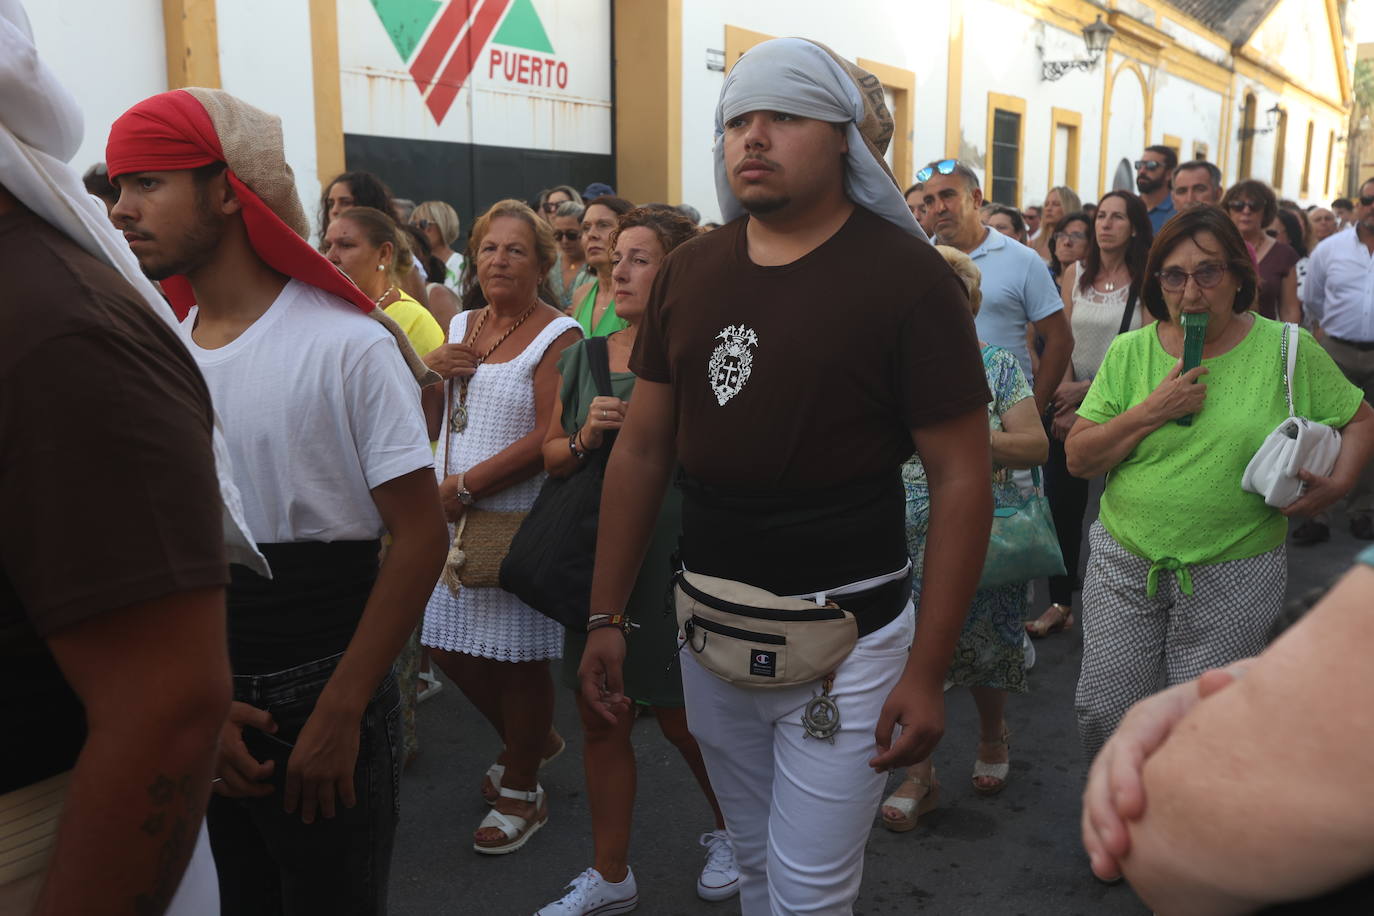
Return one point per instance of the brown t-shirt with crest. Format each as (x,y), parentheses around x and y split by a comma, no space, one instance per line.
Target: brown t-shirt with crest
(808,377)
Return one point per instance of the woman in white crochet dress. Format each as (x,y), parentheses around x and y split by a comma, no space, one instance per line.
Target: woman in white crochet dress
(501,378)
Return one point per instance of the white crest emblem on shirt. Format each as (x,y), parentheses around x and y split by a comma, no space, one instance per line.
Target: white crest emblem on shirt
(731,361)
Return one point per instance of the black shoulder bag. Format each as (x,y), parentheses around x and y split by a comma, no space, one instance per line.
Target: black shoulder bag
(549,565)
(1130,312)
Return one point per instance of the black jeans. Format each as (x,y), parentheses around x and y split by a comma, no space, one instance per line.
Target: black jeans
(270,862)
(1068,498)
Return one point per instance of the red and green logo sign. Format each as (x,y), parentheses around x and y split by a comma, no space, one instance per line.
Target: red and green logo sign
(442,40)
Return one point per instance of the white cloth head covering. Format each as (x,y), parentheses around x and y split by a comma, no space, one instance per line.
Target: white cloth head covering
(40,129)
(802,77)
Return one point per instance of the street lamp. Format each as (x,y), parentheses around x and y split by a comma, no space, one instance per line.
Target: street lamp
(1095,37)
(1271,117)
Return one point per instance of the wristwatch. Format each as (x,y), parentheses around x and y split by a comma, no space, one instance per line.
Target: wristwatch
(465,495)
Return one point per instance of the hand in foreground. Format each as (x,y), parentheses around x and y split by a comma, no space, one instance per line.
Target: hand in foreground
(1115,792)
(452,360)
(604,415)
(601,673)
(1063,424)
(1318,494)
(1069,395)
(920,711)
(320,770)
(1180,394)
(238,774)
(448,499)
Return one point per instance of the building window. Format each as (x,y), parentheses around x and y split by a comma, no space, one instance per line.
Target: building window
(1065,127)
(899,92)
(1247,142)
(1307,161)
(1199,150)
(1280,151)
(1330,154)
(1006,139)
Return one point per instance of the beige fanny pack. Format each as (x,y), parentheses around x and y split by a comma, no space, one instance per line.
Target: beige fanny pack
(751,637)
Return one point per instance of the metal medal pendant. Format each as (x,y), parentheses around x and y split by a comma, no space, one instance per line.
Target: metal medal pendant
(459,420)
(821,719)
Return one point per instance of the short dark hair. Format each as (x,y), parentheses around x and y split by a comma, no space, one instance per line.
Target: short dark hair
(668,224)
(1018,222)
(1212,171)
(1257,191)
(969,175)
(617,205)
(1188,225)
(1292,227)
(97,183)
(1170,156)
(1345,203)
(916,187)
(1077,216)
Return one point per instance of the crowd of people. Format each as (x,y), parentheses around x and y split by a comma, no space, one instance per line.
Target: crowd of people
(316,462)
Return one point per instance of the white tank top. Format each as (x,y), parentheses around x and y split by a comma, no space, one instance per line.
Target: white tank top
(1096,321)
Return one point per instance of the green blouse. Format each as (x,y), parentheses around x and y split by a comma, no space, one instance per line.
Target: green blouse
(610,322)
(1176,499)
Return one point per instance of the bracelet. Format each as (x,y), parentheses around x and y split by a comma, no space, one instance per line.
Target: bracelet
(579,453)
(620,621)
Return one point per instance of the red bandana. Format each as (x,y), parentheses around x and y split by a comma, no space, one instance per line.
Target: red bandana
(172,132)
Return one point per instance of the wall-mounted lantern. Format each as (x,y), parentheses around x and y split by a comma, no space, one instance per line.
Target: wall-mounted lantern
(1095,37)
(1271,117)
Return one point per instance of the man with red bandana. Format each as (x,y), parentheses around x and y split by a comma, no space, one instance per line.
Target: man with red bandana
(323,422)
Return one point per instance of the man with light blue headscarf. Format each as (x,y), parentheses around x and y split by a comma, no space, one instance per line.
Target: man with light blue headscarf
(788,361)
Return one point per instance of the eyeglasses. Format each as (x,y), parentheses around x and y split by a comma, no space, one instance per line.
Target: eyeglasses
(1366,201)
(552,205)
(422,224)
(1174,279)
(944,167)
(1148,165)
(569,234)
(1236,206)
(1075,236)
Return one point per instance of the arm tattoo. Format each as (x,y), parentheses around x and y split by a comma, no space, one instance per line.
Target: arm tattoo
(174,816)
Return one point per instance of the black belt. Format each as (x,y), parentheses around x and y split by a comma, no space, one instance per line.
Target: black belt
(1363,346)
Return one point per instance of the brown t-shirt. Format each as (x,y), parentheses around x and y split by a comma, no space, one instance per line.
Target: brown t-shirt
(107,478)
(795,391)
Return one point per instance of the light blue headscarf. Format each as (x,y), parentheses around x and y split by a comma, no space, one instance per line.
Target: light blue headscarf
(805,78)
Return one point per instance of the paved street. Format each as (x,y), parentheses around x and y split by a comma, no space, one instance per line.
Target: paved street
(1017,853)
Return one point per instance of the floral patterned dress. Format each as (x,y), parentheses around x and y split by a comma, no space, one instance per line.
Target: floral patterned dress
(989,653)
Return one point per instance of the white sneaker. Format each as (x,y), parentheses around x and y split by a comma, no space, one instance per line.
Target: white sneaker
(720,875)
(589,894)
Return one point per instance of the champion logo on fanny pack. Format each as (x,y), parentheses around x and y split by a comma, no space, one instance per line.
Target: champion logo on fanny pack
(763,663)
(731,361)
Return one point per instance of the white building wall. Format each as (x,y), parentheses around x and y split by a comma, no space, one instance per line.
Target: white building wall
(1188,111)
(913,36)
(108,60)
(271,68)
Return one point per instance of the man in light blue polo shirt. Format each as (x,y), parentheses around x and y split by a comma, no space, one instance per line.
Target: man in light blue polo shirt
(1017,288)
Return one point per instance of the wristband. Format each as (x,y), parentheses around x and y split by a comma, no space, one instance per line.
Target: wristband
(579,453)
(619,621)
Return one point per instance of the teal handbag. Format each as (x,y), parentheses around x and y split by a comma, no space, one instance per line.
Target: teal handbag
(1023,545)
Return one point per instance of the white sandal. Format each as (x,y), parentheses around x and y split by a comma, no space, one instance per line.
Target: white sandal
(517,830)
(911,807)
(497,770)
(432,685)
(994,771)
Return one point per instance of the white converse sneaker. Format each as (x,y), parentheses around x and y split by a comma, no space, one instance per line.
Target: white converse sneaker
(720,875)
(589,894)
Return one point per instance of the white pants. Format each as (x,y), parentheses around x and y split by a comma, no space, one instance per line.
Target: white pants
(799,810)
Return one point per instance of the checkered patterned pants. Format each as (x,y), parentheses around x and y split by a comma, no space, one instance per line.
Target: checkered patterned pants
(1135,646)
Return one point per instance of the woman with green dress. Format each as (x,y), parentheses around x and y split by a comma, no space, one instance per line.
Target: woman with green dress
(594,301)
(581,421)
(989,659)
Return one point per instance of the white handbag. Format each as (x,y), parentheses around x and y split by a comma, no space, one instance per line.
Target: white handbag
(1295,444)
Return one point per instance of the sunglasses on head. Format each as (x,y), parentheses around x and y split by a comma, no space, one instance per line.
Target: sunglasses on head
(1174,279)
(1148,165)
(569,234)
(422,224)
(944,167)
(1237,206)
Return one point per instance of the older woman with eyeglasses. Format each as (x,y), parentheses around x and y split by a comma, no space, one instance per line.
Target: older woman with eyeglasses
(1252,207)
(1187,572)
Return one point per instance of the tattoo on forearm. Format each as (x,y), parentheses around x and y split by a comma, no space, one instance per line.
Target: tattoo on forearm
(176,811)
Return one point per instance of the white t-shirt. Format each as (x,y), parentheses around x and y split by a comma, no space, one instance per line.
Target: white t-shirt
(454,269)
(318,409)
